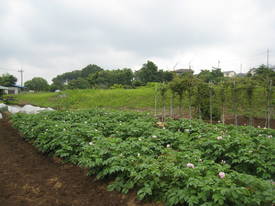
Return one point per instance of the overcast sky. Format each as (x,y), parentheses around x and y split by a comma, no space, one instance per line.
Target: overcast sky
(51,37)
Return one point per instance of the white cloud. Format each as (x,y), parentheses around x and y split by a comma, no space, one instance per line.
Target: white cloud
(51,37)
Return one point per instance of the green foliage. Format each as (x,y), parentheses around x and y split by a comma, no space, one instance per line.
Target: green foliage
(149,73)
(60,80)
(37,84)
(79,83)
(263,74)
(90,69)
(105,79)
(180,164)
(7,80)
(214,76)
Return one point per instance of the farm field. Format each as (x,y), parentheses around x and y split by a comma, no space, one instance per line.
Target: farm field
(29,178)
(186,162)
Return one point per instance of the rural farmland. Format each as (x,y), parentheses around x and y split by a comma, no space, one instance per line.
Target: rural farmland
(137,103)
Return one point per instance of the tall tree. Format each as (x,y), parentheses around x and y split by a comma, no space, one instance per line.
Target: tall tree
(91,68)
(7,80)
(162,89)
(148,72)
(79,83)
(178,87)
(37,84)
(213,76)
(189,83)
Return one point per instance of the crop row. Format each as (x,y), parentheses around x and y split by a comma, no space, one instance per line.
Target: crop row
(179,162)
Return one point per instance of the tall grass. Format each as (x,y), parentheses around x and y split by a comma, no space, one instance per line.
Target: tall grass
(141,98)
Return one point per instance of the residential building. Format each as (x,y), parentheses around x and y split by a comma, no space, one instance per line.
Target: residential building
(229,74)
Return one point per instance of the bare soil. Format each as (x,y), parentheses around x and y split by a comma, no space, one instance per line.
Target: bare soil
(29,178)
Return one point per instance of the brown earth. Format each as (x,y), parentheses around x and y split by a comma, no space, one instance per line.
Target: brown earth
(257,122)
(29,178)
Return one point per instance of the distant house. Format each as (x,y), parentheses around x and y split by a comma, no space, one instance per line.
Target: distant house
(183,71)
(229,74)
(12,90)
(3,89)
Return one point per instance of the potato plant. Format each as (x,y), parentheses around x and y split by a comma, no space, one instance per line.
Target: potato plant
(180,162)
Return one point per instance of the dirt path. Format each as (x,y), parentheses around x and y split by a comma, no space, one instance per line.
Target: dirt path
(28,178)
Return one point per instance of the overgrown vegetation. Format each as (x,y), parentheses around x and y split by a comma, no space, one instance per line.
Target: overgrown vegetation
(184,162)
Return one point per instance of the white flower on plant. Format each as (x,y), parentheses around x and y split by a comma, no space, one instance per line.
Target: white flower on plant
(200,160)
(221,175)
(264,127)
(138,154)
(187,130)
(163,128)
(269,136)
(85,122)
(96,130)
(190,165)
(259,126)
(154,136)
(139,139)
(219,138)
(64,129)
(91,143)
(168,145)
(223,161)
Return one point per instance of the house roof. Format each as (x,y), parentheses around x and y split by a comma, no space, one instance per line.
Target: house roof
(1,87)
(18,86)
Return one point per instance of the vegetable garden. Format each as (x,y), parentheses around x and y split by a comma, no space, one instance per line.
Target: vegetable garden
(179,162)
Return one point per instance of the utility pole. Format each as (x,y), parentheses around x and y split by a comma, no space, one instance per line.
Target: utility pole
(21,72)
(267,58)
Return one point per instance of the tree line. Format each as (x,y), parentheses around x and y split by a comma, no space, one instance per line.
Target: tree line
(210,96)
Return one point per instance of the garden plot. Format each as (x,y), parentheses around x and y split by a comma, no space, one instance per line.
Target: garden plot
(179,162)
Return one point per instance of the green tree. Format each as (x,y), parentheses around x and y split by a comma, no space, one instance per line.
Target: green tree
(90,69)
(249,87)
(79,83)
(214,76)
(222,95)
(162,89)
(148,72)
(178,87)
(189,83)
(37,84)
(7,80)
(164,76)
